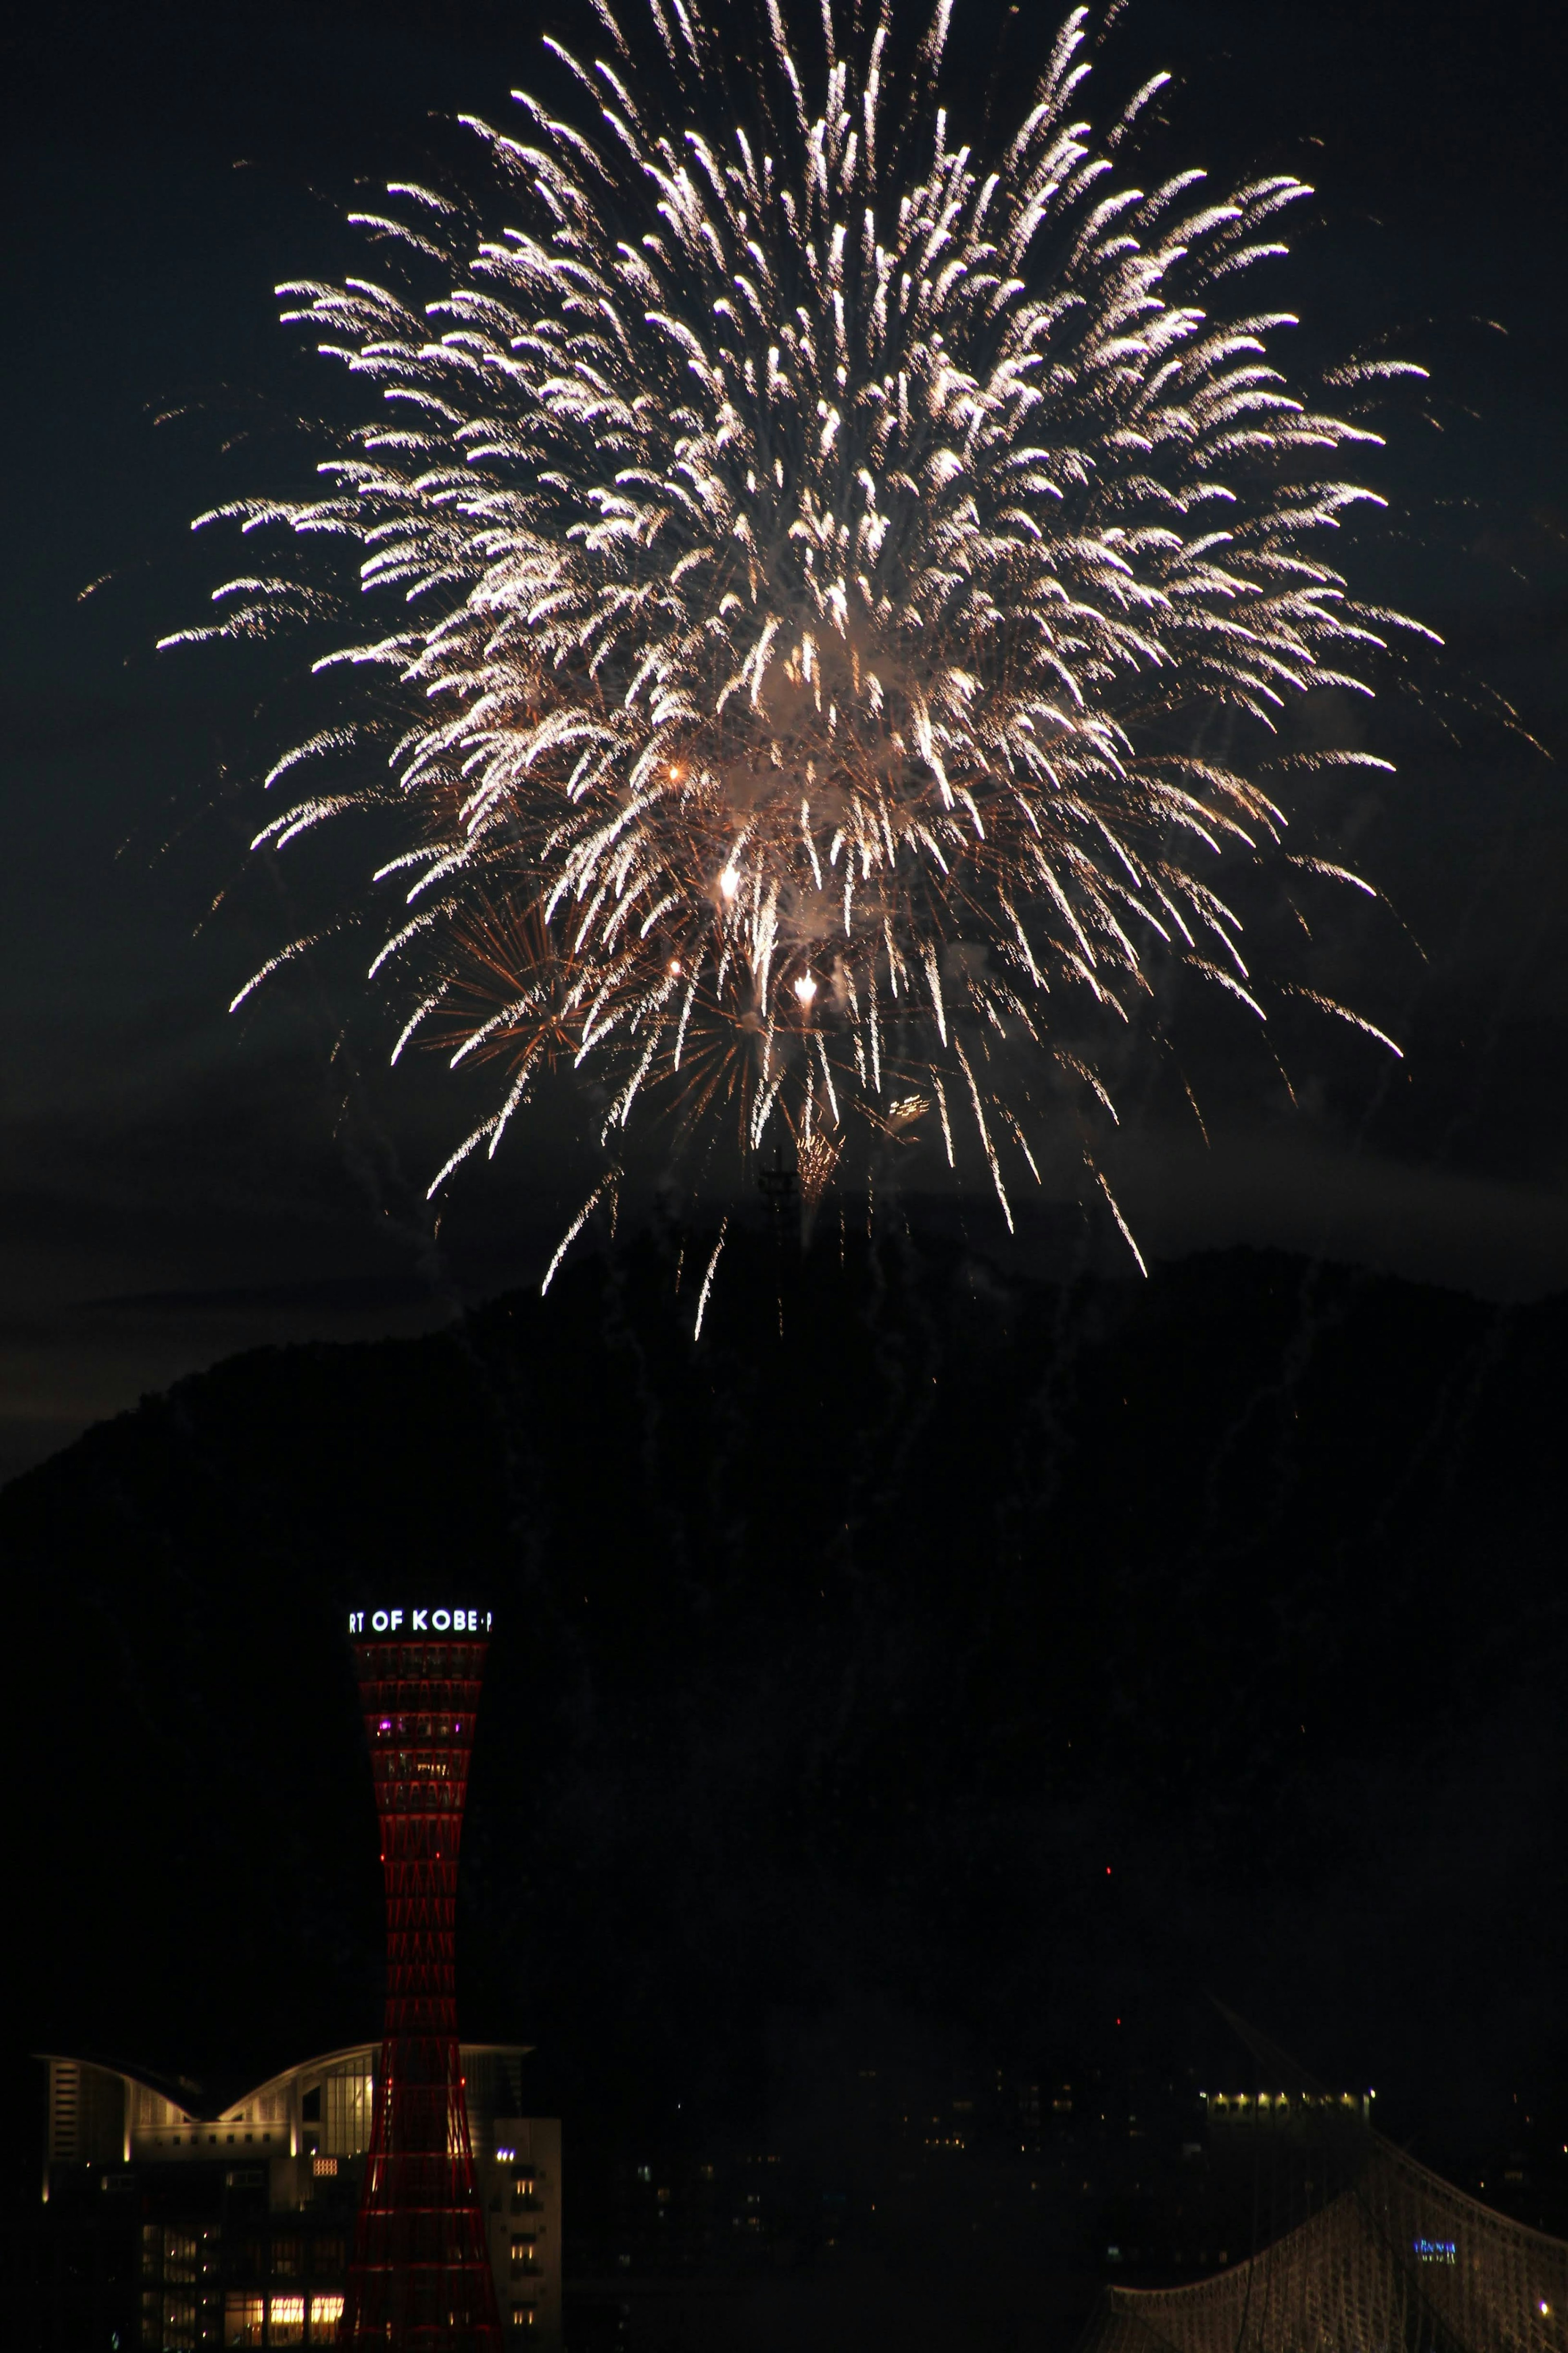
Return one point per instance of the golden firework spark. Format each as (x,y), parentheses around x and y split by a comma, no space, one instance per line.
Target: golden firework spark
(805,547)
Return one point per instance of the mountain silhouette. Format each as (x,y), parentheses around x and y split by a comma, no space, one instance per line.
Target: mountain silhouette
(992,1657)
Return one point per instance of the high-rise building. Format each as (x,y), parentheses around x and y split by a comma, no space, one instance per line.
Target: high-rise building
(420,2275)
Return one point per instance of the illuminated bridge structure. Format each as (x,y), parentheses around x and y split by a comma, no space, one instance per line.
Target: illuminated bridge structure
(1397,2262)
(420,2275)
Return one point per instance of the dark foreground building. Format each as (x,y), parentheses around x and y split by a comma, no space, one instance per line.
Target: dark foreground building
(173,2225)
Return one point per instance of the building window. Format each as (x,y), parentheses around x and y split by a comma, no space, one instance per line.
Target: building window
(180,2330)
(522,2316)
(179,2255)
(325,2169)
(326,2312)
(349,2103)
(287,2322)
(65,2108)
(242,2319)
(327,2255)
(286,2258)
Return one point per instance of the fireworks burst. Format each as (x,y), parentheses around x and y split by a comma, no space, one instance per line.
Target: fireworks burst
(808,553)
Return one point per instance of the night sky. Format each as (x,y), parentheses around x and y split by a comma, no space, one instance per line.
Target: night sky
(179,1184)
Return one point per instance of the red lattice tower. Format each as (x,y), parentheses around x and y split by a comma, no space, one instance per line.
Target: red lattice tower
(420,2277)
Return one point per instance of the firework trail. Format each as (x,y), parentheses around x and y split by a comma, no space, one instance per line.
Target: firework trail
(802,556)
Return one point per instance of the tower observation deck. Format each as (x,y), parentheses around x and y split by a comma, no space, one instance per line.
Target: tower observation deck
(420,2275)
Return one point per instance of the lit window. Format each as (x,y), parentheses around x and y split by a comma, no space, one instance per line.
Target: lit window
(179,2255)
(326,2312)
(324,2168)
(287,2322)
(242,2319)
(350,2103)
(180,2333)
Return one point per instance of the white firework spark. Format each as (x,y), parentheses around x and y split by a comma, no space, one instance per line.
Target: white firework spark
(808,551)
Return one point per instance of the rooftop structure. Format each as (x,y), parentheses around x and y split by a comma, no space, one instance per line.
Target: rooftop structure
(1397,2258)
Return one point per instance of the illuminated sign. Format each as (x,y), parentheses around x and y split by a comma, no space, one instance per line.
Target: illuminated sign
(421,1621)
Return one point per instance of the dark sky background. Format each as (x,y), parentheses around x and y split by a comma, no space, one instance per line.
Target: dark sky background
(176,1184)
